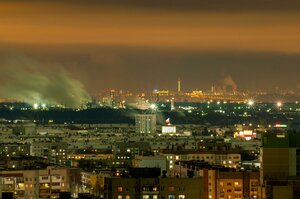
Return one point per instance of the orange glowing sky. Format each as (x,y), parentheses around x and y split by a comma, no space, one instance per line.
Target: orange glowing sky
(254,30)
(158,31)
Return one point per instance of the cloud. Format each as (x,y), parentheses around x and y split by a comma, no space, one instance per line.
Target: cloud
(29,80)
(161,24)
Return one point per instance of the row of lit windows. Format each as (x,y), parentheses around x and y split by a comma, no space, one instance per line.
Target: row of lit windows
(153,188)
(230,184)
(22,185)
(231,197)
(147,188)
(123,157)
(230,190)
(154,197)
(54,184)
(192,157)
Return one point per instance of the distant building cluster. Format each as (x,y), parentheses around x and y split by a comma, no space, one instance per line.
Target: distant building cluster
(148,160)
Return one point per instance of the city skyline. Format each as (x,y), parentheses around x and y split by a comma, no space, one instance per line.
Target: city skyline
(152,99)
(142,46)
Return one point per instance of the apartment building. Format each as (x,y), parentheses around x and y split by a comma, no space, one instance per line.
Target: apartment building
(44,183)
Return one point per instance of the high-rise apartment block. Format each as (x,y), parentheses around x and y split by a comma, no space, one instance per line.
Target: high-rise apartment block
(280,170)
(145,123)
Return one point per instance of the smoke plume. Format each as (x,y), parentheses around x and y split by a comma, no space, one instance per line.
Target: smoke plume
(34,82)
(227,81)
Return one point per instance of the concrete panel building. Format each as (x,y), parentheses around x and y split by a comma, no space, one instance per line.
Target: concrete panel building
(145,123)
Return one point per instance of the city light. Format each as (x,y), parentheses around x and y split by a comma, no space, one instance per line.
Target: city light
(35,106)
(250,102)
(279,104)
(280,126)
(178,100)
(153,106)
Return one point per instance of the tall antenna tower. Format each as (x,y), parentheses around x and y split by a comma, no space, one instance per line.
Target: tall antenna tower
(179,86)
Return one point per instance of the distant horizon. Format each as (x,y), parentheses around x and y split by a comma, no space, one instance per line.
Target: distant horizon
(91,46)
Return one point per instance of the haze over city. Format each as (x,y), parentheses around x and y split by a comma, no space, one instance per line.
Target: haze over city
(150,99)
(140,46)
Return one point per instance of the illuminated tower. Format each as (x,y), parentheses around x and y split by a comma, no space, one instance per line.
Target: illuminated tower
(178,86)
(112,95)
(172,104)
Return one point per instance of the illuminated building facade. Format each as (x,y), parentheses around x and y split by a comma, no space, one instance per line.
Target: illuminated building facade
(153,187)
(45,183)
(55,152)
(145,123)
(280,165)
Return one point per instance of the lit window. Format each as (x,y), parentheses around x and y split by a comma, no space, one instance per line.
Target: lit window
(120,189)
(119,197)
(181,196)
(21,185)
(146,197)
(171,197)
(155,197)
(127,197)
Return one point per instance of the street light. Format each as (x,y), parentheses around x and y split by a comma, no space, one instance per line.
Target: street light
(250,102)
(279,104)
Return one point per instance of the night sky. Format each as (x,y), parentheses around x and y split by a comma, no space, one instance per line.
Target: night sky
(148,44)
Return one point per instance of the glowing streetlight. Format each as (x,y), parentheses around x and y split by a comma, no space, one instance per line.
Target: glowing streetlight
(279,104)
(153,106)
(35,106)
(250,102)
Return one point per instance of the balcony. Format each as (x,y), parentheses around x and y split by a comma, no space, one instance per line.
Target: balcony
(150,192)
(44,179)
(19,186)
(44,186)
(8,181)
(56,186)
(56,179)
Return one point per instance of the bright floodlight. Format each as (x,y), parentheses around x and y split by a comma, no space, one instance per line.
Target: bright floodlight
(153,106)
(44,105)
(35,106)
(279,104)
(250,102)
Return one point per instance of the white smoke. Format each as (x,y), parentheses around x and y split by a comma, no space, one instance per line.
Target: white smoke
(228,81)
(34,82)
